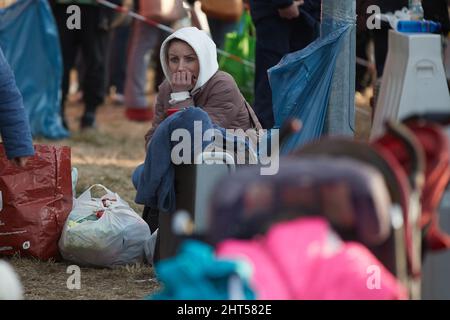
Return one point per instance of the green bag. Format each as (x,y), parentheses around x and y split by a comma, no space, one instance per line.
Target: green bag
(241,44)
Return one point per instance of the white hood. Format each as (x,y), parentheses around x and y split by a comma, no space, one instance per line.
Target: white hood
(203,46)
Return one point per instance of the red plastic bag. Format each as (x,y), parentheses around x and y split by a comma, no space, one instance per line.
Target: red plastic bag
(35,202)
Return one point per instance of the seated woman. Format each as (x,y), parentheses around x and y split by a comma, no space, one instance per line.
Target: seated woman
(189,61)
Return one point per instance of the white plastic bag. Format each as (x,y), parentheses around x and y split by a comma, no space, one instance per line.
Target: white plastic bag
(104,232)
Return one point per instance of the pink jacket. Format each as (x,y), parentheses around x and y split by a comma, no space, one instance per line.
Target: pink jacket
(305,259)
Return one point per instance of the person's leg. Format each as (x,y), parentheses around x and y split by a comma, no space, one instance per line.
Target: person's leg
(109,56)
(272,43)
(380,38)
(151,216)
(136,175)
(361,52)
(118,60)
(94,46)
(80,67)
(143,39)
(219,29)
(69,40)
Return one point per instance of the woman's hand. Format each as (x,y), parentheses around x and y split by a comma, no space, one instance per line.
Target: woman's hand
(182,81)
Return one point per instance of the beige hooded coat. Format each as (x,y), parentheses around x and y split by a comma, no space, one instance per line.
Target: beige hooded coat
(215,92)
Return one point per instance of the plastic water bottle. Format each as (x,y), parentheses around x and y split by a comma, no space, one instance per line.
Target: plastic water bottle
(413,26)
(416,9)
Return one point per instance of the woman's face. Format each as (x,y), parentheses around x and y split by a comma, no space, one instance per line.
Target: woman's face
(181,57)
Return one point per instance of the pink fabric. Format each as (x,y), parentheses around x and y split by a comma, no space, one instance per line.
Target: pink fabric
(304,259)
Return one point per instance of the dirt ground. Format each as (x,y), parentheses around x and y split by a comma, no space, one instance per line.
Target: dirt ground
(108,156)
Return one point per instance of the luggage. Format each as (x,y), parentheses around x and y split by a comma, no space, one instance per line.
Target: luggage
(227,10)
(193,185)
(167,11)
(35,202)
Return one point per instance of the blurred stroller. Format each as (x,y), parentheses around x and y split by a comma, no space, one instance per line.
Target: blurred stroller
(383,195)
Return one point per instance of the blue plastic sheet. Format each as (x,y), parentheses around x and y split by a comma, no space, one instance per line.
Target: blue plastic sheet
(29,39)
(301,87)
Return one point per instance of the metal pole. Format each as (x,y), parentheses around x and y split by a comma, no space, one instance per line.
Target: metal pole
(340,119)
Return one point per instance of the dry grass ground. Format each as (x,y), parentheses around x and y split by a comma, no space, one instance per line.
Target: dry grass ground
(48,281)
(108,156)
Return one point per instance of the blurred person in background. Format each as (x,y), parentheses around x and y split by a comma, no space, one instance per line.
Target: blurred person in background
(364,73)
(219,25)
(381,35)
(282,27)
(437,10)
(145,41)
(92,39)
(117,52)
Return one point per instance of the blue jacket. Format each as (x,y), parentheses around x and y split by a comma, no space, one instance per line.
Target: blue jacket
(266,8)
(14,126)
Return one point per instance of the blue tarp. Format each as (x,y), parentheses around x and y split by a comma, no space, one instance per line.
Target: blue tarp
(29,39)
(301,87)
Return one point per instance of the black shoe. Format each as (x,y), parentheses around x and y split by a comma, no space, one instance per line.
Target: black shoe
(151,216)
(88,121)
